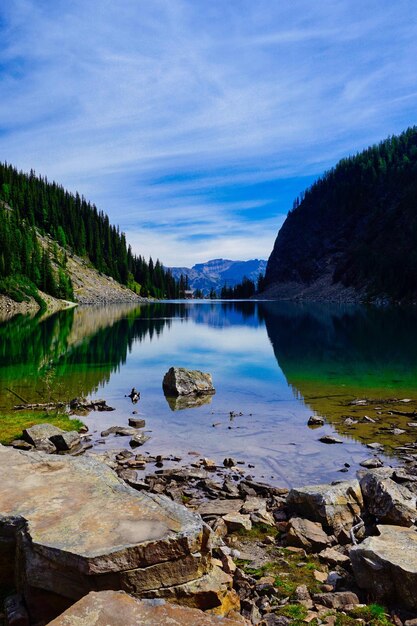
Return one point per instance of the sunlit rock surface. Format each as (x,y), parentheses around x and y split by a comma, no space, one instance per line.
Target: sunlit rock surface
(386,565)
(73,526)
(179,381)
(119,609)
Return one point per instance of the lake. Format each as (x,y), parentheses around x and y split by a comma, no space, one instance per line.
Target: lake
(274,364)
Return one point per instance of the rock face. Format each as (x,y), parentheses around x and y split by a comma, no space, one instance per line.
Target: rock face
(119,609)
(390,501)
(179,381)
(72,526)
(336,506)
(387,565)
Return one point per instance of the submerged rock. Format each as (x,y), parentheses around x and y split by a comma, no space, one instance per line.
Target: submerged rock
(75,526)
(119,609)
(387,565)
(179,381)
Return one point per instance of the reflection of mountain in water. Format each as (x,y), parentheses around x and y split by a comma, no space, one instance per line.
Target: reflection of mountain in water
(332,354)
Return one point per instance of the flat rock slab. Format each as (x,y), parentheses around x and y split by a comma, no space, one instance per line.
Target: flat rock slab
(179,381)
(387,565)
(119,609)
(78,527)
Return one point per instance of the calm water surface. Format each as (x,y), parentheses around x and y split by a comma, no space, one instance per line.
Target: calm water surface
(273,365)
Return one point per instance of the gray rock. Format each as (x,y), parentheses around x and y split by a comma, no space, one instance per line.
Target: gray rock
(179,381)
(386,565)
(21,444)
(66,441)
(138,440)
(121,431)
(390,502)
(237,521)
(40,432)
(329,439)
(371,463)
(336,506)
(314,420)
(302,533)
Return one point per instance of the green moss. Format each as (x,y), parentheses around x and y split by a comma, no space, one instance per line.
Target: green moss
(373,614)
(259,531)
(294,611)
(12,424)
(289,570)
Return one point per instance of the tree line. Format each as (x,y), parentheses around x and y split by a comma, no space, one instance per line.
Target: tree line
(31,204)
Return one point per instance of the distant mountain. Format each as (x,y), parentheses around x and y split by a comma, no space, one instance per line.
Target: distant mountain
(352,235)
(219,272)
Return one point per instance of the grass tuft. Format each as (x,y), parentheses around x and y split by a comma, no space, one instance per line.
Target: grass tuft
(12,424)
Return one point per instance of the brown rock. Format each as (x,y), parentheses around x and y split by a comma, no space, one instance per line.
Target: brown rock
(336,600)
(333,557)
(77,526)
(119,609)
(303,533)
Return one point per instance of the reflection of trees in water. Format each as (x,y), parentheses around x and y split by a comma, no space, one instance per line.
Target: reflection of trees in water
(341,339)
(97,341)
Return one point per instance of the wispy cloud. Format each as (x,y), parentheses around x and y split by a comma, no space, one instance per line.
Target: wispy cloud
(184,118)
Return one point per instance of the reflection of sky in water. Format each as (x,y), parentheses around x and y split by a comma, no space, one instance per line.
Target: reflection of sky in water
(328,355)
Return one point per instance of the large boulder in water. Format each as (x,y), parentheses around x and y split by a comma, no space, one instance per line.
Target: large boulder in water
(386,565)
(179,381)
(119,609)
(70,525)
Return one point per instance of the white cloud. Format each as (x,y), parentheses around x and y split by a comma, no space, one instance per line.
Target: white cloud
(158,110)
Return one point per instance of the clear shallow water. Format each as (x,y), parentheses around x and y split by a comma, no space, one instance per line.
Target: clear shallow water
(276,363)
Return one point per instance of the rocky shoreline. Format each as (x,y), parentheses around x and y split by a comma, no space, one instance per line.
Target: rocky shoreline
(323,554)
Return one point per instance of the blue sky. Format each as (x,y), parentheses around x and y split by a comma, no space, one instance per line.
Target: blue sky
(194,123)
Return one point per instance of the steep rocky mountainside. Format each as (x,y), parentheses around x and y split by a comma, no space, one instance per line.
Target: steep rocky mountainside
(217,273)
(353,234)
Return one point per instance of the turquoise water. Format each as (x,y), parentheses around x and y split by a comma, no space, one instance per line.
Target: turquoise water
(273,365)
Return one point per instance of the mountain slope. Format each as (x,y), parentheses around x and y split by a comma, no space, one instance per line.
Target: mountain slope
(31,206)
(216,273)
(353,234)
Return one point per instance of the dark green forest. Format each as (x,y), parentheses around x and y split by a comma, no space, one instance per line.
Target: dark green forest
(359,220)
(31,204)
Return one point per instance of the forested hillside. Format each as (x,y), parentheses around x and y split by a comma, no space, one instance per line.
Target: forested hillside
(30,204)
(354,227)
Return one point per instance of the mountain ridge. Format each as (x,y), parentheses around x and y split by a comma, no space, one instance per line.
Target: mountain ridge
(216,273)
